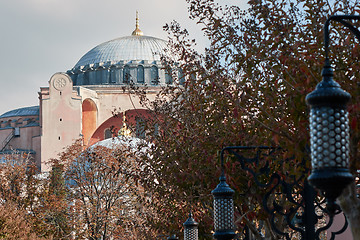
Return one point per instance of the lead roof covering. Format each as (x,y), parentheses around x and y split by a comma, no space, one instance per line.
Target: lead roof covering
(125,49)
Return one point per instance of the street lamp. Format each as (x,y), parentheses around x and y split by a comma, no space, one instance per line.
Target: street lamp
(191,229)
(223,207)
(329,128)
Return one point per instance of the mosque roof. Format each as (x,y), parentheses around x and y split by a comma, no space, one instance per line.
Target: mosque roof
(136,47)
(25,111)
(118,141)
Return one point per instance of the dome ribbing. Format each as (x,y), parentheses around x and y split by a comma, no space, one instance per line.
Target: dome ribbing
(128,48)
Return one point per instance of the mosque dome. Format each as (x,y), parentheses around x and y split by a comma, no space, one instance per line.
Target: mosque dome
(127,49)
(21,112)
(21,117)
(135,58)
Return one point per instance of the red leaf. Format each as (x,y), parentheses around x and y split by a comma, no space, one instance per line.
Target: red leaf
(236,113)
(353,123)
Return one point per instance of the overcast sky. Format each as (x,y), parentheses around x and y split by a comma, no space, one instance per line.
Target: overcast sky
(42,37)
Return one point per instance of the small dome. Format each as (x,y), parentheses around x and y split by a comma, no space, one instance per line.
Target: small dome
(26,111)
(122,141)
(135,47)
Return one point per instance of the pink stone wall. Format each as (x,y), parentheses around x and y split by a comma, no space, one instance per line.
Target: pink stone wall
(60,118)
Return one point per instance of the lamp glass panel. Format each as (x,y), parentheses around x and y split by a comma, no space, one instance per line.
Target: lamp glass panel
(329,137)
(191,233)
(223,214)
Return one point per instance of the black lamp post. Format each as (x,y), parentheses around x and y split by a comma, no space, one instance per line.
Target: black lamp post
(223,208)
(329,137)
(191,229)
(329,129)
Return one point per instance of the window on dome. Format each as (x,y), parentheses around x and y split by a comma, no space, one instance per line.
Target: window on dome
(156,129)
(154,75)
(80,78)
(140,74)
(99,75)
(106,76)
(86,78)
(112,75)
(168,77)
(126,76)
(181,77)
(107,134)
(140,128)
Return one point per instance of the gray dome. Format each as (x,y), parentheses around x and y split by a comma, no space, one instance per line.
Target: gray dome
(125,49)
(121,61)
(26,111)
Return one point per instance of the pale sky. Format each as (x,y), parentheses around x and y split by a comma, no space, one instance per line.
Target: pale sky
(41,37)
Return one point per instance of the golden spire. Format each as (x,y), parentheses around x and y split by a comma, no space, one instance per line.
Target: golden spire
(125,131)
(137,31)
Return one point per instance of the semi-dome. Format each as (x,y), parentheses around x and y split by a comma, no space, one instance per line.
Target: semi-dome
(130,48)
(21,112)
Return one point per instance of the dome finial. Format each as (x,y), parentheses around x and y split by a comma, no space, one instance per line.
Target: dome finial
(137,31)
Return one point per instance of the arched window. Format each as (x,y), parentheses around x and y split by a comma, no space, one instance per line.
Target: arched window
(140,128)
(181,77)
(86,78)
(154,75)
(79,78)
(92,77)
(105,75)
(156,129)
(126,76)
(168,76)
(140,74)
(107,134)
(98,75)
(112,77)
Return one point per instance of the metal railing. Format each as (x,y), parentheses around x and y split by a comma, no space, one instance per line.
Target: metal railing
(7,139)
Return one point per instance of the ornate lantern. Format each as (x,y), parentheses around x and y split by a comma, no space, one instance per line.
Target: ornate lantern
(190,229)
(223,210)
(329,137)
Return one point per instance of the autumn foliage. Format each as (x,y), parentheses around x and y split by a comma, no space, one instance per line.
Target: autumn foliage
(247,88)
(89,194)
